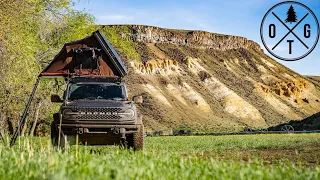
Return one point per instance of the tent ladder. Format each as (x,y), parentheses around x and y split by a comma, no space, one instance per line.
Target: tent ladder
(23,117)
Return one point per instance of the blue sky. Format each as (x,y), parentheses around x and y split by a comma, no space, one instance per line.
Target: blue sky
(233,17)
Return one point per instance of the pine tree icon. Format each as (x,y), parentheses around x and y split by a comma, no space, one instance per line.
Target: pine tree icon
(291,15)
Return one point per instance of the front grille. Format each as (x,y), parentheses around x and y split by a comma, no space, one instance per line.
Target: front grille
(97,116)
(97,109)
(97,113)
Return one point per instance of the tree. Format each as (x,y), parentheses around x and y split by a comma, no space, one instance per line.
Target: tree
(31,33)
(291,15)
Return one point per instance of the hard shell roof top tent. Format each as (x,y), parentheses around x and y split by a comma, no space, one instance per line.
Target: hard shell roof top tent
(92,56)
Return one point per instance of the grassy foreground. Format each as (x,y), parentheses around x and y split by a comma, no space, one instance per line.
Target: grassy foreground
(201,157)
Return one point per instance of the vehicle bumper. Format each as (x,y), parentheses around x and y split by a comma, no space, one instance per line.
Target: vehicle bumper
(114,129)
(134,126)
(97,134)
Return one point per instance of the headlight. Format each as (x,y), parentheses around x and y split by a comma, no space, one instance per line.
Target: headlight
(67,113)
(128,114)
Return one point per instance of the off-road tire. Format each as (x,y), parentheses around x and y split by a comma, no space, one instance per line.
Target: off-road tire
(138,139)
(54,134)
(56,118)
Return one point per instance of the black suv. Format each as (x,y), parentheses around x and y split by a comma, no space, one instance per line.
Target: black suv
(97,111)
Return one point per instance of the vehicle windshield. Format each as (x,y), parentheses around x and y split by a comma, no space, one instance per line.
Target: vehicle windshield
(96,91)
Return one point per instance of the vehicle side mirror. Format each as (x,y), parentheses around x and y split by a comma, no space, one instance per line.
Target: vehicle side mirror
(138,99)
(56,98)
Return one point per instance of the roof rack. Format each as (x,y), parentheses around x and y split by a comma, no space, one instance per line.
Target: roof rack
(96,79)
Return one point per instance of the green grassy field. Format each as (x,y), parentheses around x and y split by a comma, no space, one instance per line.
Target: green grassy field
(290,156)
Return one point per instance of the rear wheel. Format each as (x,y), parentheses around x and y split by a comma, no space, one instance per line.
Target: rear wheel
(54,134)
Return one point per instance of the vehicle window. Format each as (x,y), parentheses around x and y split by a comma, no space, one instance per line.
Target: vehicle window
(95,91)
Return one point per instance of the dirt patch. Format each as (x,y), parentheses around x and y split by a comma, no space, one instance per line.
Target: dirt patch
(156,93)
(232,103)
(172,51)
(306,155)
(178,94)
(157,51)
(144,51)
(195,98)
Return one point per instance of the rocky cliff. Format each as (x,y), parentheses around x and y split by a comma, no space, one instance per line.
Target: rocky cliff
(194,39)
(210,82)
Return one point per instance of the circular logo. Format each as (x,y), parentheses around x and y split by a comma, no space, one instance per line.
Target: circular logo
(289,31)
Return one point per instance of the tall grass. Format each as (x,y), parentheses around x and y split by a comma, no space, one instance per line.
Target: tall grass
(231,142)
(164,158)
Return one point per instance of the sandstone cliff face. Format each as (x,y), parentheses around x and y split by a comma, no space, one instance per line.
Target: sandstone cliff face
(195,39)
(211,82)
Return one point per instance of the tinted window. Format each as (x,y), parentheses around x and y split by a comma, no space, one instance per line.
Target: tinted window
(95,91)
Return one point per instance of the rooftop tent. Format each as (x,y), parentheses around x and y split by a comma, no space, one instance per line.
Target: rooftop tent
(91,56)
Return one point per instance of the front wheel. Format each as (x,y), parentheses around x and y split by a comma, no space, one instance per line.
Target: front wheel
(136,140)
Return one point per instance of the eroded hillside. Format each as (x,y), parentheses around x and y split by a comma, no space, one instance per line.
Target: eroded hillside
(213,82)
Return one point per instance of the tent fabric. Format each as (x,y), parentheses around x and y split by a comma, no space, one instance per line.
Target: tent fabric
(109,63)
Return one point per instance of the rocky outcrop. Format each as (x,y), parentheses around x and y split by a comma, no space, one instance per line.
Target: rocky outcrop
(195,39)
(155,66)
(289,89)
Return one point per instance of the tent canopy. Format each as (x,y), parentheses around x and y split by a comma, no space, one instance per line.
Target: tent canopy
(91,56)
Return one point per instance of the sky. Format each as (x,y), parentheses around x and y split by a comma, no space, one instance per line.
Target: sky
(232,17)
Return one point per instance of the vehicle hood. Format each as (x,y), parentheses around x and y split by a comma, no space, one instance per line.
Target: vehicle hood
(99,103)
